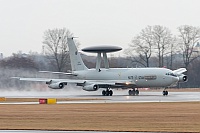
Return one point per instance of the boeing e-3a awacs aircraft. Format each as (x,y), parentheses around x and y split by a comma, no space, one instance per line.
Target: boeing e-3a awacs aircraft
(110,78)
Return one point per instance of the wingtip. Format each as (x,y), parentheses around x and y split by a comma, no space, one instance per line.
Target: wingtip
(72,37)
(15,77)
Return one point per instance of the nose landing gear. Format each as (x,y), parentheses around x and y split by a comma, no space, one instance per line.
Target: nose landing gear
(165,93)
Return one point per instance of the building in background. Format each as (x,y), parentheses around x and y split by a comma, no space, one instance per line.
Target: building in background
(1,56)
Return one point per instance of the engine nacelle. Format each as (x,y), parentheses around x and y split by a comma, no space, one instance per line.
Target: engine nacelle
(56,85)
(183,78)
(92,87)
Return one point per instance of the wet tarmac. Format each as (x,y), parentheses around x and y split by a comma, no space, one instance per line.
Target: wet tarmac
(118,97)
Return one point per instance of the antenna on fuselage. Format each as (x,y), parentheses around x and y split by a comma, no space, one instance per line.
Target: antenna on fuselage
(102,50)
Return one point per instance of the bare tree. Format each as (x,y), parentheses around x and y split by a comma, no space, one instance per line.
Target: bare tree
(142,46)
(162,39)
(55,46)
(151,39)
(188,38)
(171,53)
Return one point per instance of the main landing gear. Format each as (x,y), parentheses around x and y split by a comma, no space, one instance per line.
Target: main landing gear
(133,92)
(165,93)
(107,92)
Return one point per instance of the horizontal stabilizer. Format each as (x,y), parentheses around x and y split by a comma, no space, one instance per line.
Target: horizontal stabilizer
(180,71)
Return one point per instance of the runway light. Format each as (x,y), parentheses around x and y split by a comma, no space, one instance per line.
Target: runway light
(127,97)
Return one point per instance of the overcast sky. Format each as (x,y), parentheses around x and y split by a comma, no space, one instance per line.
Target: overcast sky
(116,22)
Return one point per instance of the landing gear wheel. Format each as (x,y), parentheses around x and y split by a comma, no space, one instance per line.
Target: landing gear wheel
(165,93)
(110,92)
(107,92)
(103,92)
(137,92)
(133,92)
(130,92)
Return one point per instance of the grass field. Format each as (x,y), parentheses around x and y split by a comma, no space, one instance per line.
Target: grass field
(152,117)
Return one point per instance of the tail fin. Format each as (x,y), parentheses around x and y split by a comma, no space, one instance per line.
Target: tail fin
(76,60)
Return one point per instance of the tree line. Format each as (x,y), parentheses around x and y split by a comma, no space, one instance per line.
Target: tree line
(158,41)
(154,46)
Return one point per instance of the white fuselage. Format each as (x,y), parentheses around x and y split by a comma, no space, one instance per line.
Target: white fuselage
(142,77)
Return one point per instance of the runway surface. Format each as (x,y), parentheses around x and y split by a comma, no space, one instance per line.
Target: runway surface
(118,97)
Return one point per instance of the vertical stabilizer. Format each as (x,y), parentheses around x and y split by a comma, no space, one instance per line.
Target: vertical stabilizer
(76,60)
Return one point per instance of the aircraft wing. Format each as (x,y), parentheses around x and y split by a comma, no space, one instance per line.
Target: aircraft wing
(63,73)
(47,80)
(101,83)
(111,82)
(31,79)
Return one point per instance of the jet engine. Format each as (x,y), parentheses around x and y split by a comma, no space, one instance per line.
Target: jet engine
(92,87)
(58,85)
(183,78)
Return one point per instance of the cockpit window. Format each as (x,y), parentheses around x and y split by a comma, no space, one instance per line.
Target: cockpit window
(171,74)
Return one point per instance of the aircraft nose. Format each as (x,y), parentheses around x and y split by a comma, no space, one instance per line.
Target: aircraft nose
(175,79)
